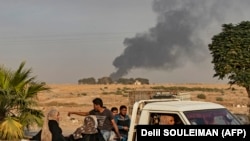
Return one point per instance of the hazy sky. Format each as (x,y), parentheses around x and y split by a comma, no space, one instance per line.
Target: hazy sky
(165,41)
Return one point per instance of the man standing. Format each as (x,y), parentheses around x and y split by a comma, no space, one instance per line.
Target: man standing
(104,117)
(123,122)
(113,137)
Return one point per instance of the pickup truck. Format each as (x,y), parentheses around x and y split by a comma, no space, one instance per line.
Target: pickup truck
(148,112)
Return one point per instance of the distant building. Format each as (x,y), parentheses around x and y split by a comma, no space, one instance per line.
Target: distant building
(137,82)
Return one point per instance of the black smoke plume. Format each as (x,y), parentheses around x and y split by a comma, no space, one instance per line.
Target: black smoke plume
(180,35)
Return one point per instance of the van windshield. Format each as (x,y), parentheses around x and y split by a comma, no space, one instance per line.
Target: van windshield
(211,117)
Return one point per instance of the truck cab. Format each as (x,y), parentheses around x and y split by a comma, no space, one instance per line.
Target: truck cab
(151,112)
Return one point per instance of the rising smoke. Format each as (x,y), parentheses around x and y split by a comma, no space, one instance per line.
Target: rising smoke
(181,34)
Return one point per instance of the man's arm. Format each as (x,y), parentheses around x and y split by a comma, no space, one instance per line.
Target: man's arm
(116,128)
(79,113)
(127,127)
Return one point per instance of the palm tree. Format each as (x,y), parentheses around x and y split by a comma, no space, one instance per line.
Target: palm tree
(18,105)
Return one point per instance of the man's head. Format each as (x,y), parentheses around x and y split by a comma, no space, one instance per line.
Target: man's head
(98,104)
(123,110)
(114,110)
(167,120)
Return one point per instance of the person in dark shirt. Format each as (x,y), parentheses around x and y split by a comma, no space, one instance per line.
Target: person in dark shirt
(51,130)
(56,131)
(123,122)
(104,117)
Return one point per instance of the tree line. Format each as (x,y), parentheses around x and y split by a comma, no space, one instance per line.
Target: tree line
(108,80)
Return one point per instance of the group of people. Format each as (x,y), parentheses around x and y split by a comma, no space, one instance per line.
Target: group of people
(100,124)
(123,122)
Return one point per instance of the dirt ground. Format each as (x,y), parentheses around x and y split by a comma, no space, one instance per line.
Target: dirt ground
(74,97)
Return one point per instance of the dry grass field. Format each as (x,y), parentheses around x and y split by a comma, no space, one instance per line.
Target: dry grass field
(74,97)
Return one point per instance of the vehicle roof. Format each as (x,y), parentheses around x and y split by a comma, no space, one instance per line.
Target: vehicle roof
(182,105)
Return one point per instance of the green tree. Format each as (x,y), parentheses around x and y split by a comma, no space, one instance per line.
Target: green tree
(230,50)
(90,80)
(18,105)
(142,80)
(104,80)
(126,81)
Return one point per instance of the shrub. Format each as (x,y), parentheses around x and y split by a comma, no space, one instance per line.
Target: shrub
(219,99)
(118,92)
(82,94)
(201,96)
(105,93)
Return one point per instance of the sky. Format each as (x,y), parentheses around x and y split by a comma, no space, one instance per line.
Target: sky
(164,41)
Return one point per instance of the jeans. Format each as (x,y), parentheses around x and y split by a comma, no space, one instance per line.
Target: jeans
(106,134)
(124,138)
